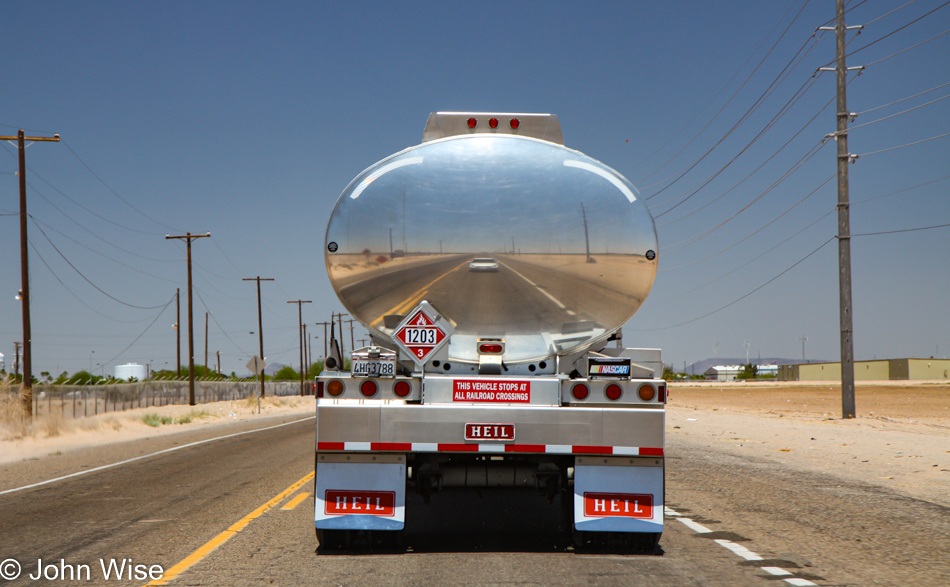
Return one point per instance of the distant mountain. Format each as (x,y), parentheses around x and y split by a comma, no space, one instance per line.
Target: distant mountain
(272,368)
(699,367)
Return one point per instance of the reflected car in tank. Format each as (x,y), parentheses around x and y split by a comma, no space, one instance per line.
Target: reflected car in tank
(483,265)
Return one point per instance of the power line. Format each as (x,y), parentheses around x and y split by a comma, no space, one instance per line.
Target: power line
(108,187)
(56,277)
(152,323)
(766,225)
(903,99)
(887,13)
(898,113)
(732,303)
(894,31)
(89,281)
(919,185)
(748,112)
(855,157)
(904,230)
(908,49)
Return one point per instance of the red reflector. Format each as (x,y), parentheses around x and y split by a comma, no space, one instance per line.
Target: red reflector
(493,123)
(402,388)
(515,123)
(662,395)
(472,122)
(580,391)
(613,391)
(489,348)
(319,389)
(368,388)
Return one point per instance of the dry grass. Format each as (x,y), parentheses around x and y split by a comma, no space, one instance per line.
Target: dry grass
(15,425)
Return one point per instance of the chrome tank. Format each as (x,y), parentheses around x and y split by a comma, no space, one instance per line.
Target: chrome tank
(573,243)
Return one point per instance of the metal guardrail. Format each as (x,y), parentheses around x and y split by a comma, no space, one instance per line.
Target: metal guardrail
(78,401)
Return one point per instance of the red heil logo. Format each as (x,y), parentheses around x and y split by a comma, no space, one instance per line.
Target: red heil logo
(490,432)
(624,505)
(341,502)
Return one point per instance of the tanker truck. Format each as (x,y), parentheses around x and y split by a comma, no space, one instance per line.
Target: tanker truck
(493,268)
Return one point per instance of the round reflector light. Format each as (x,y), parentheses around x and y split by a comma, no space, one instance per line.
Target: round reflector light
(580,391)
(514,123)
(646,392)
(472,122)
(335,387)
(368,388)
(402,388)
(493,123)
(613,391)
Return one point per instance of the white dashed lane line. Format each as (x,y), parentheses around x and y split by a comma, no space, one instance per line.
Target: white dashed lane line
(738,549)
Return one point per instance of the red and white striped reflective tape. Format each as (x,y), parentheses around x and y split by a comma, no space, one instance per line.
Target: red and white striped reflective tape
(566,449)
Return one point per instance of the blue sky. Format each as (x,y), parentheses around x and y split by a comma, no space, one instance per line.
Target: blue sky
(249,119)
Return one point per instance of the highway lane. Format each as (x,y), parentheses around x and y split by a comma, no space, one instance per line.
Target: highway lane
(162,509)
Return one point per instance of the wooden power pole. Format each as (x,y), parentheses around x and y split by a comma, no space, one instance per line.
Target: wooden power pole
(191,331)
(300,334)
(26,388)
(260,327)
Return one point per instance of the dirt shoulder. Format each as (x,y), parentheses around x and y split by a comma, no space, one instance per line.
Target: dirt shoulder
(900,439)
(59,436)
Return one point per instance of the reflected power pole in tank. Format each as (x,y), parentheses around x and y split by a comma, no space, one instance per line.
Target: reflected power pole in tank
(300,334)
(844,221)
(26,388)
(260,327)
(188,237)
(586,238)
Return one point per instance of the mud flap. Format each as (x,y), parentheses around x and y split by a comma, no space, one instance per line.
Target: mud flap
(615,496)
(360,495)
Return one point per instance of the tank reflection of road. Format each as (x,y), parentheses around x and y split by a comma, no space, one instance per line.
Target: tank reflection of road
(539,305)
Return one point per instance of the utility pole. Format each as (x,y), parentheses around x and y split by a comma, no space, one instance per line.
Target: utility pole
(803,338)
(26,388)
(306,352)
(300,333)
(16,364)
(352,342)
(177,333)
(188,237)
(325,324)
(206,344)
(844,221)
(260,327)
(219,363)
(339,318)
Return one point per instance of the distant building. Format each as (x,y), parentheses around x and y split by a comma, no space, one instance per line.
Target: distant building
(880,370)
(722,372)
(731,372)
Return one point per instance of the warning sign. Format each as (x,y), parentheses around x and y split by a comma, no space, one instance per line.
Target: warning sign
(476,390)
(422,333)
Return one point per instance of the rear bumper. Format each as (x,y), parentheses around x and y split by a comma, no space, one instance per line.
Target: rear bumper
(347,426)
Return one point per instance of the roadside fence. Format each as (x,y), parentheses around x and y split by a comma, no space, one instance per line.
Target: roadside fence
(78,401)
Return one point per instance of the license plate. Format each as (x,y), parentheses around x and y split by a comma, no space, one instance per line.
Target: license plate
(374,368)
(489,431)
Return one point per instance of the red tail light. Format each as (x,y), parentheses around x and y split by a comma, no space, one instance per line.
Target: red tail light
(515,123)
(319,389)
(368,388)
(472,123)
(490,348)
(402,388)
(580,391)
(613,392)
(493,123)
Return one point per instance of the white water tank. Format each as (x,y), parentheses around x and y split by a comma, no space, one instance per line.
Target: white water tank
(125,372)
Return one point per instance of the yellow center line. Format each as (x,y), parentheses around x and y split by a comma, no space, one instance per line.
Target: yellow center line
(296,501)
(227,534)
(416,297)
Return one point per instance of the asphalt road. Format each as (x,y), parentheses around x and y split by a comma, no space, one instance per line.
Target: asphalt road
(162,509)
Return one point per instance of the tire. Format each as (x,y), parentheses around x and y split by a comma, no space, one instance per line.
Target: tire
(331,539)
